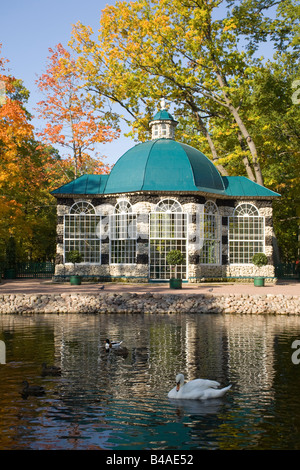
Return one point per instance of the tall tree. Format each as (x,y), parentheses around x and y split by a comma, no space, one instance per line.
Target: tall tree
(71,121)
(181,50)
(14,130)
(28,172)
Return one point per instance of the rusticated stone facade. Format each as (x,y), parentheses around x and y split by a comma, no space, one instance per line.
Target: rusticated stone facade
(144,204)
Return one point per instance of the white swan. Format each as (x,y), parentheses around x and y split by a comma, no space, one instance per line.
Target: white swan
(198,389)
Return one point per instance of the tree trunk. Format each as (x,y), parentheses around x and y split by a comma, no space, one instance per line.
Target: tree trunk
(246,159)
(243,129)
(205,132)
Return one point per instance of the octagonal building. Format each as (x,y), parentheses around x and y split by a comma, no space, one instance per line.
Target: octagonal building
(163,195)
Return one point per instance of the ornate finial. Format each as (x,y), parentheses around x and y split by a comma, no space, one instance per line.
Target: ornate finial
(162,103)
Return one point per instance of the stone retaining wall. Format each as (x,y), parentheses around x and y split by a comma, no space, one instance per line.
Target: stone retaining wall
(149,303)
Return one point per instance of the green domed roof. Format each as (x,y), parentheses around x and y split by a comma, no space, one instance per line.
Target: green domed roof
(163,115)
(163,165)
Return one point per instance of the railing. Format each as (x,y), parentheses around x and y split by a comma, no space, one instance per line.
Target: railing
(287,271)
(30,270)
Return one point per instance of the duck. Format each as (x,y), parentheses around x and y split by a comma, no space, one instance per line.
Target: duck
(31,390)
(197,389)
(50,370)
(112,344)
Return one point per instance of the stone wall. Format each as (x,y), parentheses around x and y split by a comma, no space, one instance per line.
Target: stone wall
(132,303)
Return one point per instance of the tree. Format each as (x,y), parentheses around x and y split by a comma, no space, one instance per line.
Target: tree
(72,122)
(233,104)
(14,130)
(28,172)
(180,50)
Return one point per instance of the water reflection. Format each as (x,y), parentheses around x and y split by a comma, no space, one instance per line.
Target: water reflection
(106,400)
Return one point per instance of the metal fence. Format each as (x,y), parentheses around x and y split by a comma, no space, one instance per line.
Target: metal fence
(29,270)
(287,271)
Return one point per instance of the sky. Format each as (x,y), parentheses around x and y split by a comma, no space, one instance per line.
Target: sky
(28,28)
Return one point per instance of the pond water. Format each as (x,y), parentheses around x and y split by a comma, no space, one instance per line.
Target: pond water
(119,402)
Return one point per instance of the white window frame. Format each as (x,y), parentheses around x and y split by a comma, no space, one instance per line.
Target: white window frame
(82,232)
(241,246)
(122,235)
(168,230)
(210,234)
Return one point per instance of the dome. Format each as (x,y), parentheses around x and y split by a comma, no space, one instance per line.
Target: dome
(163,115)
(163,165)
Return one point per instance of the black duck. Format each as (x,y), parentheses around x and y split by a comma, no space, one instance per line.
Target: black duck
(31,390)
(50,370)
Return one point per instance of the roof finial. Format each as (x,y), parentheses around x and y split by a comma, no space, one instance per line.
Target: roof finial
(162,103)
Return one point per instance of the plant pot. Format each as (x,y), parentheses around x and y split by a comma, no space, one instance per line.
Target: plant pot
(10,273)
(75,280)
(175,283)
(259,281)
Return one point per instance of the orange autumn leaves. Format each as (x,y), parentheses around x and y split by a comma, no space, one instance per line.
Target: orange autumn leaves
(71,120)
(31,168)
(14,130)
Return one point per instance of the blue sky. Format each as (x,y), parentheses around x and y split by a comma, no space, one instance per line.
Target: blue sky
(29,27)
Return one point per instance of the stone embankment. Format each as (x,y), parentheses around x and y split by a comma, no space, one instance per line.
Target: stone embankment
(149,303)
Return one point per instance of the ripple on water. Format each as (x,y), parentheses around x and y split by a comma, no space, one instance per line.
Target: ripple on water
(107,401)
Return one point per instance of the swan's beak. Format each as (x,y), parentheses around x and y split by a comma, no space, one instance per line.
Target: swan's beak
(177,386)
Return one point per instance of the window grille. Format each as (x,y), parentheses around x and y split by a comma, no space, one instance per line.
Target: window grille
(245,234)
(210,234)
(82,233)
(155,130)
(168,205)
(168,231)
(82,207)
(123,234)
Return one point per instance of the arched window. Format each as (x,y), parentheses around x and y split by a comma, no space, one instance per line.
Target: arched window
(123,207)
(245,234)
(168,205)
(246,210)
(168,231)
(123,234)
(82,207)
(81,232)
(210,234)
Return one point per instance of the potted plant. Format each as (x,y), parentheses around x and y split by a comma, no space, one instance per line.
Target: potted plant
(259,260)
(74,257)
(174,258)
(10,261)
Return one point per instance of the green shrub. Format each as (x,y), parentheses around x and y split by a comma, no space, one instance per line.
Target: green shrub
(74,257)
(259,259)
(174,257)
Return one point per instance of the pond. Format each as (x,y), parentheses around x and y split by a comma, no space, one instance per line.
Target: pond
(118,402)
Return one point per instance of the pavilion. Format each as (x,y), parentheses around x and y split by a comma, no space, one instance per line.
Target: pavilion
(163,195)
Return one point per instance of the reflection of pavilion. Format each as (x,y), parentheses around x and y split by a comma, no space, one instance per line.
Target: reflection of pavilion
(235,348)
(251,352)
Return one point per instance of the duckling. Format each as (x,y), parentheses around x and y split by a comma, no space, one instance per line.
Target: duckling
(33,390)
(50,370)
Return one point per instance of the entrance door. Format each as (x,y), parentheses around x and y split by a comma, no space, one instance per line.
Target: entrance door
(168,231)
